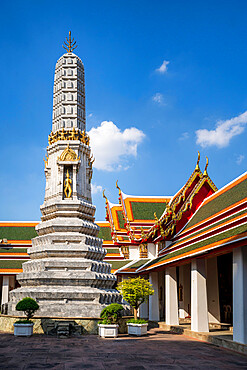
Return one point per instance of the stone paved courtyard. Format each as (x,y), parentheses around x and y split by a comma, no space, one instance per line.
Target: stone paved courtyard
(158,350)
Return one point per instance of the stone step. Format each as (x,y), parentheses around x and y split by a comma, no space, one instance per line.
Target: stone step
(186,325)
(63,329)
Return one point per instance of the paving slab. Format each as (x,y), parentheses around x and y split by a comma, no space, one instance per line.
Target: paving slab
(157,350)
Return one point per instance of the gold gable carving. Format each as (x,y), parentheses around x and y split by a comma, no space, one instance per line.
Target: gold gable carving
(68,155)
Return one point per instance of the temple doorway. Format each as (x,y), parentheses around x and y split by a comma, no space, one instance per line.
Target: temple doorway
(225,287)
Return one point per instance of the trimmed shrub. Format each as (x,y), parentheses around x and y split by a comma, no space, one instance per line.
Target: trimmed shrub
(111,314)
(28,306)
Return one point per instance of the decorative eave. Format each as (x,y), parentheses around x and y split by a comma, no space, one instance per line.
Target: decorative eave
(131,231)
(116,232)
(109,217)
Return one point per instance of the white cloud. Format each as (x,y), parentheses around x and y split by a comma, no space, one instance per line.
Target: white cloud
(96,189)
(240,159)
(112,147)
(184,136)
(163,67)
(223,133)
(158,98)
(90,115)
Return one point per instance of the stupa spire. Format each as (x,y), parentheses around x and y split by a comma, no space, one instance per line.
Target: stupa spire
(70,45)
(69,110)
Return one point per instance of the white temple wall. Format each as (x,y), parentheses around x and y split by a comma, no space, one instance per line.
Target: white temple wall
(154,314)
(151,250)
(133,252)
(143,310)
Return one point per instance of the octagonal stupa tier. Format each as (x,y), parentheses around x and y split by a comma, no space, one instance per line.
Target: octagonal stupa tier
(69,94)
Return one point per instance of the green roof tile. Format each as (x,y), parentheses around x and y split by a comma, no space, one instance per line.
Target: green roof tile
(117,264)
(139,263)
(105,233)
(145,210)
(11,264)
(17,232)
(120,219)
(13,250)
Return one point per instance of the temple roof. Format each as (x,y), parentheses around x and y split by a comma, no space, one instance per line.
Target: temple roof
(219,224)
(133,215)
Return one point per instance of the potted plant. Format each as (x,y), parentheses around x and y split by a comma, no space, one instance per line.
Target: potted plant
(108,326)
(24,327)
(135,291)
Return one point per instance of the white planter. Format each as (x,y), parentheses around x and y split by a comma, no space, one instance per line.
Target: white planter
(108,331)
(137,329)
(25,330)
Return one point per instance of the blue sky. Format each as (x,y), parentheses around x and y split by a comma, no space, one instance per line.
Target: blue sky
(161,116)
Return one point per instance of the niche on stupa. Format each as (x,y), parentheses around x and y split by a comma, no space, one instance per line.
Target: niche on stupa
(68,163)
(67,182)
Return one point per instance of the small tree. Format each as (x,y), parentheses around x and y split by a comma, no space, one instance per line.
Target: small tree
(135,291)
(29,306)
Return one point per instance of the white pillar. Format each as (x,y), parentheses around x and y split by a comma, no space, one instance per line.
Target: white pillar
(240,295)
(5,290)
(213,291)
(154,314)
(171,296)
(143,310)
(199,305)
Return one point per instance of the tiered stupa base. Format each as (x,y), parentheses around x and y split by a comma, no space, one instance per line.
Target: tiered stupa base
(68,302)
(66,274)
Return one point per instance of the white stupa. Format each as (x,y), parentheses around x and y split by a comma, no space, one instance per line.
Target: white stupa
(66,273)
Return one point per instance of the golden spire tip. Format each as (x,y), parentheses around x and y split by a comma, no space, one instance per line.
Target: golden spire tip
(69,44)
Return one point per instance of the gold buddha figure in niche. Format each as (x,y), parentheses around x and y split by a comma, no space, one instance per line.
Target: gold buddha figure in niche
(67,186)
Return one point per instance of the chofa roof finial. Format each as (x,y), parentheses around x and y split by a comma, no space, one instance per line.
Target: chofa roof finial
(104,196)
(205,173)
(119,192)
(70,45)
(117,186)
(197,164)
